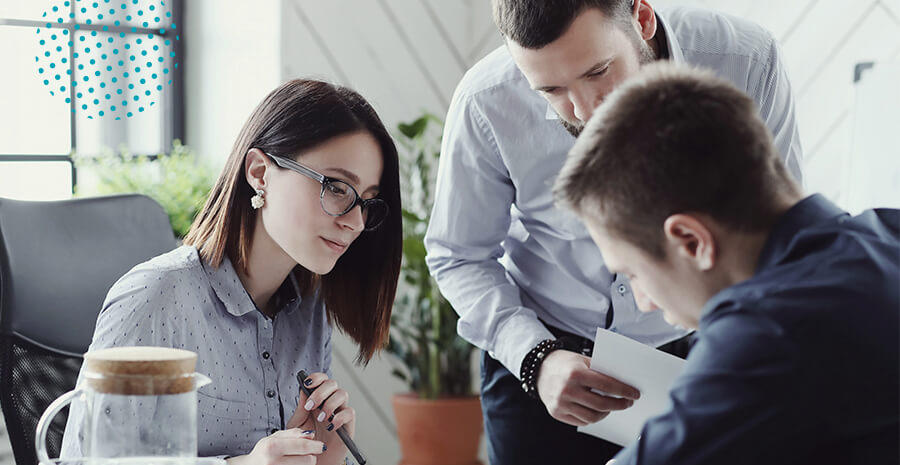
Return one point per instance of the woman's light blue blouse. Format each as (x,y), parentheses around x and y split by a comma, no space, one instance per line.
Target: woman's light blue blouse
(176,300)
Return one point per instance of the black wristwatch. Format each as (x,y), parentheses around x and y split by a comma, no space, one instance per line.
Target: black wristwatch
(531,365)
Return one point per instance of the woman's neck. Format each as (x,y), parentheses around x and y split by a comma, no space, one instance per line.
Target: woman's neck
(266,269)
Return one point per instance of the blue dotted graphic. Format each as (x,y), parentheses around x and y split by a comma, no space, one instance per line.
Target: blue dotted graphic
(136,66)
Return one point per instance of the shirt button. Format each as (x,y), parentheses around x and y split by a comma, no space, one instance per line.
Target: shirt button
(270,393)
(622,289)
(265,355)
(273,431)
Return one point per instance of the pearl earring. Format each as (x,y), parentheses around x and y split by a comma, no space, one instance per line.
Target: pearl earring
(258,200)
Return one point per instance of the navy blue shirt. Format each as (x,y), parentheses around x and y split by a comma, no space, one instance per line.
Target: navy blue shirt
(800,363)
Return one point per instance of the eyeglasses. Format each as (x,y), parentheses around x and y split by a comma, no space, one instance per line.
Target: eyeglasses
(337,197)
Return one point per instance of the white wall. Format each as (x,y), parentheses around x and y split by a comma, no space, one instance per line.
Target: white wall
(405,57)
(232,60)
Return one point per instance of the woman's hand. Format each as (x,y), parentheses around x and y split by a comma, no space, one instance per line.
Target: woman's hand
(325,410)
(287,447)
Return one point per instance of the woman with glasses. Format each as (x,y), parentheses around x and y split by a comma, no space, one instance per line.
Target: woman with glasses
(302,230)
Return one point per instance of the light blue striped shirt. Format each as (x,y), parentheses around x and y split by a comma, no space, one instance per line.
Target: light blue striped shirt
(502,253)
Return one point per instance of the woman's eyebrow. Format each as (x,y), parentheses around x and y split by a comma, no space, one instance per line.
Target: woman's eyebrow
(352,177)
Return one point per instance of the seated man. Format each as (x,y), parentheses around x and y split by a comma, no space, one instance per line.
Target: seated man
(795,302)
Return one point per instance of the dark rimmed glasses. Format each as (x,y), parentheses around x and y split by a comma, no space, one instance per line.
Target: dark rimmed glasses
(337,197)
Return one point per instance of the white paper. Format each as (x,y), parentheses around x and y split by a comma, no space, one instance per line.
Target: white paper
(649,370)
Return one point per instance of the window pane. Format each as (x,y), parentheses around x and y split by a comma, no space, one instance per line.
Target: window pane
(152,14)
(32,120)
(128,80)
(18,9)
(36,180)
(871,169)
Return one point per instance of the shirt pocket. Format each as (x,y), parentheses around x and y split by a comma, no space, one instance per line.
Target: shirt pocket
(222,408)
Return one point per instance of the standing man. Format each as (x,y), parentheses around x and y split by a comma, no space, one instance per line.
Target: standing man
(795,302)
(525,276)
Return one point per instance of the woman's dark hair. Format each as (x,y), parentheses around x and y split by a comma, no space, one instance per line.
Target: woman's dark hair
(294,118)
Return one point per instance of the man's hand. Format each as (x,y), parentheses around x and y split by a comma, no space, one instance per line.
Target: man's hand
(564,385)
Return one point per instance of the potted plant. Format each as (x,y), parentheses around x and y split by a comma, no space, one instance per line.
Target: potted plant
(178,180)
(439,420)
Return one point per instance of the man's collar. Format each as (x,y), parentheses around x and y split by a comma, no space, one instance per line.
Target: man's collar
(811,210)
(672,49)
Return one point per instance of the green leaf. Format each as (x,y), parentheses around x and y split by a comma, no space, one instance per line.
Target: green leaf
(423,324)
(400,374)
(414,129)
(411,217)
(177,180)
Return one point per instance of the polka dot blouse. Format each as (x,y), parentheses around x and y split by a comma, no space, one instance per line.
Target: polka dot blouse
(176,300)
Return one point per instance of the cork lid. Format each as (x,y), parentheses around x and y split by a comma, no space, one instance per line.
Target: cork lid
(140,370)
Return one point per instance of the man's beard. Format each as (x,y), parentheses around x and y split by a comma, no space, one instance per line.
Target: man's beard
(645,55)
(573,129)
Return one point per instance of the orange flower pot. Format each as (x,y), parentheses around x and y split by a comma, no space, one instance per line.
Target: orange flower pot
(445,431)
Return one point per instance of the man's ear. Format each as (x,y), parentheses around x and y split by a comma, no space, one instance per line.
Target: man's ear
(645,19)
(255,167)
(691,239)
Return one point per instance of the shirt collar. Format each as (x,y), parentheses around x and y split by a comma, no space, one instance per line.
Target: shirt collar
(227,285)
(288,295)
(811,210)
(674,48)
(674,54)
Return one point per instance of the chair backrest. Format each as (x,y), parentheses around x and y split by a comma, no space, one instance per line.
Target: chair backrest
(57,262)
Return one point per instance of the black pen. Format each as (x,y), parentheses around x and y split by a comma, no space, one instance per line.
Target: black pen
(348,441)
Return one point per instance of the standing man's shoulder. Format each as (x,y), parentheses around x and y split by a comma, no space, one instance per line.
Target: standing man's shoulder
(492,107)
(701,32)
(495,72)
(747,55)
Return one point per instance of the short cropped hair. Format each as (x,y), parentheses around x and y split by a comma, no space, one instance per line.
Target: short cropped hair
(533,24)
(674,139)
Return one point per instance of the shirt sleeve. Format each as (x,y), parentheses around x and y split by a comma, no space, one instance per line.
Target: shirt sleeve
(738,401)
(469,220)
(776,107)
(131,316)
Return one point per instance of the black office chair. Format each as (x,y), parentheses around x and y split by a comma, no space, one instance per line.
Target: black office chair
(57,261)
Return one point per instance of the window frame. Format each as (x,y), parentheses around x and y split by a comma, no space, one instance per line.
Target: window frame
(174,117)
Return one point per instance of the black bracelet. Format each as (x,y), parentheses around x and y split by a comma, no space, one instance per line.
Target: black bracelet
(531,365)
